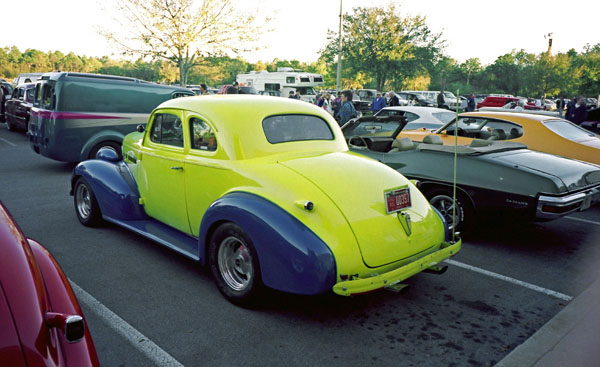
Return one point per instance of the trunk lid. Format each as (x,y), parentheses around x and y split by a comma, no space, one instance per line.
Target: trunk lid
(356,185)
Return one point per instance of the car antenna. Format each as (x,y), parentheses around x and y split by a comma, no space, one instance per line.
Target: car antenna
(454,179)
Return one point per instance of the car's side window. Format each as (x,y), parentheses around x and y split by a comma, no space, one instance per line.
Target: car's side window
(166,129)
(502,130)
(410,116)
(203,137)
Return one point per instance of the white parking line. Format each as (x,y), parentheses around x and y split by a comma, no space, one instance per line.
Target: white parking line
(8,142)
(510,280)
(137,339)
(584,220)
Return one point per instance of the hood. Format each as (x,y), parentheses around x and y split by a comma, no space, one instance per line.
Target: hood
(575,175)
(356,185)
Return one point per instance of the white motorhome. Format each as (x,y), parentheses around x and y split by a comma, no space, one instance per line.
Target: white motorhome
(284,80)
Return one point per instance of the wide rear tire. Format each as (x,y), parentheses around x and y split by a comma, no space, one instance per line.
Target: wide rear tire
(234,265)
(441,199)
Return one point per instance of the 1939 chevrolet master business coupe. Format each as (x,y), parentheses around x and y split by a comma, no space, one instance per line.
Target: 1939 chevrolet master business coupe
(265,192)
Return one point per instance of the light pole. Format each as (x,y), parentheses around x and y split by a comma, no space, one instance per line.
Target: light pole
(339,63)
(549,37)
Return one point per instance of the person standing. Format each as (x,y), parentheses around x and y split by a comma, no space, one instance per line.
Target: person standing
(203,90)
(348,111)
(298,96)
(577,113)
(560,105)
(440,99)
(378,103)
(471,103)
(337,105)
(394,101)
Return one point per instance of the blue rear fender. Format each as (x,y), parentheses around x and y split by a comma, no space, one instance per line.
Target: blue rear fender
(292,258)
(114,187)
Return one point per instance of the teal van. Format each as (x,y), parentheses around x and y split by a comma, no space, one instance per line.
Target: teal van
(76,114)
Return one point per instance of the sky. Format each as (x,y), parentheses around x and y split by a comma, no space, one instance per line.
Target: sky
(472,29)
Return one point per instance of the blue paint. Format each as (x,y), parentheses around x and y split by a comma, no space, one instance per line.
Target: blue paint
(292,258)
(114,187)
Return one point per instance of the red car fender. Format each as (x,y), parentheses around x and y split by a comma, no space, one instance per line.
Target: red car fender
(63,300)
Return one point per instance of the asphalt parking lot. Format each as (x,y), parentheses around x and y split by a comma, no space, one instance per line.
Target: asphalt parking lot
(145,304)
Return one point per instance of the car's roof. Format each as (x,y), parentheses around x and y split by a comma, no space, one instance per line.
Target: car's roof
(239,117)
(511,115)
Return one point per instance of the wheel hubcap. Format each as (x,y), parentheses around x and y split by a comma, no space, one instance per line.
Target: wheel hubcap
(235,263)
(444,204)
(84,201)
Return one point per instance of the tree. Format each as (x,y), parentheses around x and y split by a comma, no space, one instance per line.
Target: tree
(182,31)
(381,44)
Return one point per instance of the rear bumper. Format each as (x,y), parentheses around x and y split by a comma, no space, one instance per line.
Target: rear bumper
(356,286)
(550,207)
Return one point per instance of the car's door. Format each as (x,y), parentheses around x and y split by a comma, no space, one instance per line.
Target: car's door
(208,173)
(161,177)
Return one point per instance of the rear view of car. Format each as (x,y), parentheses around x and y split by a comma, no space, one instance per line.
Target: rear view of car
(41,321)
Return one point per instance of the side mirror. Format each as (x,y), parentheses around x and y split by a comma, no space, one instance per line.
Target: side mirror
(140,128)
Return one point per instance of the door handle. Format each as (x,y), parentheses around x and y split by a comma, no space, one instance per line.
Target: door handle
(177,168)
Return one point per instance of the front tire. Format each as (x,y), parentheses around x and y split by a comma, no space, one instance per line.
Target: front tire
(86,205)
(234,265)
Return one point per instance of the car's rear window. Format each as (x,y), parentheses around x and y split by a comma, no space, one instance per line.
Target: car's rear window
(568,130)
(287,128)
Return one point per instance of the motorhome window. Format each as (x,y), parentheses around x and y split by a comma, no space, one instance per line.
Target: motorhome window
(288,128)
(166,129)
(272,86)
(305,79)
(318,79)
(203,137)
(290,79)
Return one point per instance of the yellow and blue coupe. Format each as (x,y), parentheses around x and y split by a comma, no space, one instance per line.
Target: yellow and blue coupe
(265,192)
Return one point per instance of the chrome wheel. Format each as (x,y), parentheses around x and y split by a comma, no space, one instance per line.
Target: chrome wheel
(235,263)
(83,201)
(445,205)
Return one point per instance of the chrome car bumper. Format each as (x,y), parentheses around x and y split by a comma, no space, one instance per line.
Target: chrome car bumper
(550,207)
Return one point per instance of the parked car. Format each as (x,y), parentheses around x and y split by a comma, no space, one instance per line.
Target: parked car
(366,95)
(42,323)
(6,90)
(359,104)
(539,132)
(420,117)
(74,115)
(450,101)
(500,101)
(273,93)
(26,78)
(518,182)
(18,107)
(265,192)
(415,99)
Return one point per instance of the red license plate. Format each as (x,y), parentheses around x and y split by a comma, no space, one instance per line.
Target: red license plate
(397,199)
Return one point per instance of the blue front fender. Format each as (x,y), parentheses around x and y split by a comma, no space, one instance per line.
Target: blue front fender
(292,258)
(114,187)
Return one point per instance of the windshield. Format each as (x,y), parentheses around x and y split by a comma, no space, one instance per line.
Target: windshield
(371,128)
(568,131)
(306,91)
(449,95)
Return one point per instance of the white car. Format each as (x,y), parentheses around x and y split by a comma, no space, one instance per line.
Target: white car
(420,117)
